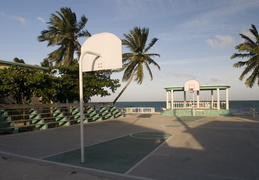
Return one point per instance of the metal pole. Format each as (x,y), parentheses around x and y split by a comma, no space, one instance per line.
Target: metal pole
(81,112)
(82,102)
(193,103)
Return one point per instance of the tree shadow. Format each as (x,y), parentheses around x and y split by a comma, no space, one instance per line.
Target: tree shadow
(217,148)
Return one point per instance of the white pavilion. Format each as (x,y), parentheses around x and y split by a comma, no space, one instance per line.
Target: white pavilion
(197,106)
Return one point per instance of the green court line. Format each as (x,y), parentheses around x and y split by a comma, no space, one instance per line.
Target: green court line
(117,155)
(151,135)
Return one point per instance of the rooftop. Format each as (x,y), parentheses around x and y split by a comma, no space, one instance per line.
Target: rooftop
(9,63)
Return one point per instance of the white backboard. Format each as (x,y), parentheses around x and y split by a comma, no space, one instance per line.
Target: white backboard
(192,85)
(100,52)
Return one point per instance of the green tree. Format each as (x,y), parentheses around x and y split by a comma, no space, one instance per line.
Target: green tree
(135,61)
(46,63)
(64,31)
(249,49)
(46,87)
(94,84)
(18,60)
(23,83)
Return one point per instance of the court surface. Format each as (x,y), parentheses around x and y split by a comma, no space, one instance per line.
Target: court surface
(118,155)
(141,147)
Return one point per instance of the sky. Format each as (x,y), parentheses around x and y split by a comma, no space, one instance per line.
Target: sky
(196,38)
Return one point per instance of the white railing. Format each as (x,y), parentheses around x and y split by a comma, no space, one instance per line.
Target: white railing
(252,112)
(202,105)
(139,110)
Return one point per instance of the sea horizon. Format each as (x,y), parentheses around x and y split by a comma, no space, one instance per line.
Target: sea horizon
(177,101)
(235,106)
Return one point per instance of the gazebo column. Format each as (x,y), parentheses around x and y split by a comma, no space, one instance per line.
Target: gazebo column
(172,99)
(212,99)
(184,99)
(227,100)
(198,99)
(218,99)
(167,101)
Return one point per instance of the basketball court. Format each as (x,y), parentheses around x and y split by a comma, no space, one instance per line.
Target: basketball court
(144,147)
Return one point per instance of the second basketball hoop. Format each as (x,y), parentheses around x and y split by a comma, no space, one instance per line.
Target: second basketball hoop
(192,85)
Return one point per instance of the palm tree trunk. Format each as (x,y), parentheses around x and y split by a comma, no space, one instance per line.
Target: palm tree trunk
(129,81)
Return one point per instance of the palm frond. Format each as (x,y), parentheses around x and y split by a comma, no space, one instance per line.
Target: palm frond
(239,64)
(252,78)
(149,70)
(151,44)
(57,55)
(137,58)
(129,42)
(247,39)
(250,50)
(63,31)
(139,74)
(136,41)
(250,66)
(82,22)
(255,32)
(151,61)
(239,55)
(129,69)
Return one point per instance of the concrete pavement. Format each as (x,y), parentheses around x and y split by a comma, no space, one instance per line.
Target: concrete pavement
(219,148)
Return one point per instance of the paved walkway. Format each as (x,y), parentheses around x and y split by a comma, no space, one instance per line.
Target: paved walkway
(220,148)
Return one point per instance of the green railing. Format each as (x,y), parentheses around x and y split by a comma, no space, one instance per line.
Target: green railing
(16,118)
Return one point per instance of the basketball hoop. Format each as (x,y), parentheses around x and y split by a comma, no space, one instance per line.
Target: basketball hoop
(191,85)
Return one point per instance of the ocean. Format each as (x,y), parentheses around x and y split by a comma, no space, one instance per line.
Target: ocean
(235,107)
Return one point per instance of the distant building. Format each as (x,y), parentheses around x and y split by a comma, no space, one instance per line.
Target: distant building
(196,107)
(6,64)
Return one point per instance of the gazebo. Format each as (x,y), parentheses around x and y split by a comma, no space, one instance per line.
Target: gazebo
(215,106)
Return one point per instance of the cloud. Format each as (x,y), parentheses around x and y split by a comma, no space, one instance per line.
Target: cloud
(178,36)
(19,19)
(2,14)
(208,17)
(16,18)
(41,20)
(179,74)
(190,61)
(218,10)
(128,8)
(215,80)
(139,9)
(220,41)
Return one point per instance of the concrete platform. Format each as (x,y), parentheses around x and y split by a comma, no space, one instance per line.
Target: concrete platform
(212,147)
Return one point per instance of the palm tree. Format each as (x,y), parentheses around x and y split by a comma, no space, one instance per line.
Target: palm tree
(63,31)
(135,61)
(249,49)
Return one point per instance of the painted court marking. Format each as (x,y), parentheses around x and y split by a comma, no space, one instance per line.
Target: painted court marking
(131,169)
(117,155)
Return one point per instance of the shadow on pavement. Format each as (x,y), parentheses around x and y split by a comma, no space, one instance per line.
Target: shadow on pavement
(219,148)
